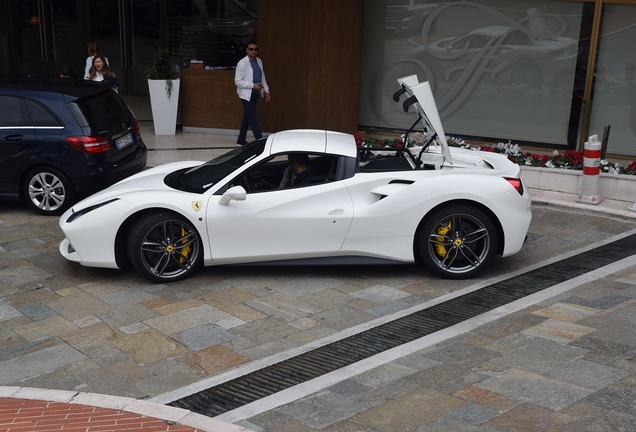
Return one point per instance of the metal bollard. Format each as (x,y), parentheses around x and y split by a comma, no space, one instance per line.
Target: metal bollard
(591,171)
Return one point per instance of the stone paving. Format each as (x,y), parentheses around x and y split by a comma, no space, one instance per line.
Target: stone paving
(564,364)
(112,332)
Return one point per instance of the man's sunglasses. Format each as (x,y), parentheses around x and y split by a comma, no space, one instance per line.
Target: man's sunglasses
(252,49)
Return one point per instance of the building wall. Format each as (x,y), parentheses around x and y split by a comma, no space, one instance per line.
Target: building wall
(311,53)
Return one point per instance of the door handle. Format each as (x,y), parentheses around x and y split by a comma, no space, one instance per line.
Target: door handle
(14,137)
(336,211)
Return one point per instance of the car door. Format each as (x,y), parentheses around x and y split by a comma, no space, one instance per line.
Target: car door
(17,141)
(280,224)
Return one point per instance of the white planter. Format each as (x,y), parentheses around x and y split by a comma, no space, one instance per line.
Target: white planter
(164,108)
(610,186)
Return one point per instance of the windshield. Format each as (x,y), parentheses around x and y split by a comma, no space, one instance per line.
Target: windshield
(202,177)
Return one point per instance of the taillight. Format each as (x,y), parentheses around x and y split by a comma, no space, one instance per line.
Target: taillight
(89,144)
(515,183)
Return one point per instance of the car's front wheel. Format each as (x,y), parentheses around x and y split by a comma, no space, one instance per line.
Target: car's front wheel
(47,191)
(164,247)
(457,242)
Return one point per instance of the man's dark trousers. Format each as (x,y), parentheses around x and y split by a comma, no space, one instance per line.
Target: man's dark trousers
(249,118)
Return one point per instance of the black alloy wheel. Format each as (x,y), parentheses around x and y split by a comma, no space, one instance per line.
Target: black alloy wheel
(457,242)
(164,247)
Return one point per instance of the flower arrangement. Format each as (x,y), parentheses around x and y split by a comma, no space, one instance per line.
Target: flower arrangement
(160,68)
(569,159)
(363,141)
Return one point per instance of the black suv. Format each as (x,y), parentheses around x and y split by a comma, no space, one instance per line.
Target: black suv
(63,139)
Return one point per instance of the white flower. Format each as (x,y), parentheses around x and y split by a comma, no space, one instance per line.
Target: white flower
(515,150)
(610,167)
(508,149)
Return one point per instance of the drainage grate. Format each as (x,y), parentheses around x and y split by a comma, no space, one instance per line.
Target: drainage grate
(312,364)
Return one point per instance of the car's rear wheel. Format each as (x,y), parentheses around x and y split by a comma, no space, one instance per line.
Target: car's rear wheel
(47,191)
(164,247)
(457,242)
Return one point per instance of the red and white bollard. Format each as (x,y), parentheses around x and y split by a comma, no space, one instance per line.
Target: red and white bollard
(591,171)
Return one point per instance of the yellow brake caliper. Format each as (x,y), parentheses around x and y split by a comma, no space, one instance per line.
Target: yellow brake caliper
(186,250)
(439,248)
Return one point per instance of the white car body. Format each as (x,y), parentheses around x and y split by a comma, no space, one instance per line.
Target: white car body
(354,217)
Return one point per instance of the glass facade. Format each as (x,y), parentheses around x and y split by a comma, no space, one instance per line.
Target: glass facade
(45,35)
(39,37)
(211,32)
(546,72)
(502,69)
(614,97)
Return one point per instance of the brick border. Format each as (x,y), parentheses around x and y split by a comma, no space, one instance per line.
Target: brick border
(33,409)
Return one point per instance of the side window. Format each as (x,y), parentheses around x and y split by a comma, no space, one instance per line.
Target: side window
(289,170)
(266,176)
(40,115)
(11,112)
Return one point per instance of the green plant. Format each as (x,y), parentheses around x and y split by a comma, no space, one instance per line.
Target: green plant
(161,68)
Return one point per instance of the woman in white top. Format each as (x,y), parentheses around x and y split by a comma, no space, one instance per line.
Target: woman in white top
(100,69)
(92,46)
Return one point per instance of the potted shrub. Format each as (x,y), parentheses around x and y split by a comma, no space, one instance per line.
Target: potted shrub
(163,86)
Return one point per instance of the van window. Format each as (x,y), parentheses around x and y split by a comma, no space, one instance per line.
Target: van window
(11,114)
(40,115)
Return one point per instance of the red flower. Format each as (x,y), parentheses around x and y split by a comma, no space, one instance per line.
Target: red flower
(359,139)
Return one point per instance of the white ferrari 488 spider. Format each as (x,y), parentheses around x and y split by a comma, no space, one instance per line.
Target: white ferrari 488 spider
(311,197)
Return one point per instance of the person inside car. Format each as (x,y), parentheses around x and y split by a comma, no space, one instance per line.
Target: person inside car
(301,168)
(298,173)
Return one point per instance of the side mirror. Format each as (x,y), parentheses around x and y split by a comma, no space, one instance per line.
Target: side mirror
(236,193)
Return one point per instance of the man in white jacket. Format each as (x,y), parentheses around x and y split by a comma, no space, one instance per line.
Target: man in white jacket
(250,84)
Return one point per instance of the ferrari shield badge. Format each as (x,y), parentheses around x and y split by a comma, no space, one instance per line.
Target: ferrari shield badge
(196,205)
